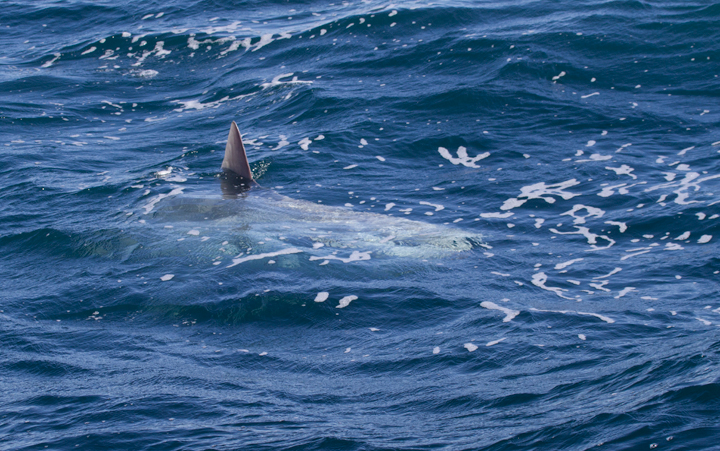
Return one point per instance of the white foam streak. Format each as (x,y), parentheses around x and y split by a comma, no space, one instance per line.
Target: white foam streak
(592,211)
(497,215)
(264,40)
(437,207)
(159,51)
(344,302)
(304,143)
(682,152)
(50,63)
(234,46)
(509,313)
(625,257)
(625,291)
(539,280)
(462,157)
(283,142)
(564,265)
(494,342)
(683,236)
(600,285)
(596,157)
(610,190)
(621,225)
(151,205)
(542,191)
(356,256)
(277,81)
(226,28)
(199,106)
(614,271)
(691,180)
(623,170)
(623,147)
(596,315)
(591,237)
(237,261)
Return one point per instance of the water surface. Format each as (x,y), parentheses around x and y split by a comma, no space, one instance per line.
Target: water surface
(544,176)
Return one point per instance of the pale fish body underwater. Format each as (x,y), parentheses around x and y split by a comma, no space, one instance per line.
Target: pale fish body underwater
(256,223)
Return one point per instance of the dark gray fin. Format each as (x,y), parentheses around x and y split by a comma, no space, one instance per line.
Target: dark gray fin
(235,158)
(232,185)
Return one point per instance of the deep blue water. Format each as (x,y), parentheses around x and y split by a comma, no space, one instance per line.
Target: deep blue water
(509,211)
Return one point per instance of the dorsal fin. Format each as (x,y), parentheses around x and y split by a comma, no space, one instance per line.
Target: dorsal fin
(235,158)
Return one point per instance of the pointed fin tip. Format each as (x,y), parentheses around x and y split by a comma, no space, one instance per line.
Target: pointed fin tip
(235,157)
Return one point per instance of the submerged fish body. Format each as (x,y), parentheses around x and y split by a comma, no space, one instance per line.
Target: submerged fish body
(260,223)
(262,217)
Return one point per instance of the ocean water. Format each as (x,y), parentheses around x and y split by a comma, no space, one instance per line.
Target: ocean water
(481,225)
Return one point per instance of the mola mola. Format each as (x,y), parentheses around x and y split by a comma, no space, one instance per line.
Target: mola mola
(266,224)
